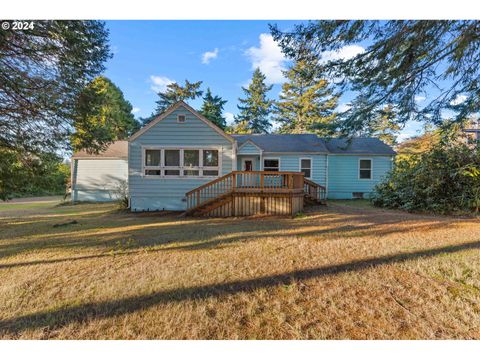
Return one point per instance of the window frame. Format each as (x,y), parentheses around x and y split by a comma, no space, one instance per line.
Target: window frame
(181,166)
(184,118)
(271,158)
(311,166)
(360,168)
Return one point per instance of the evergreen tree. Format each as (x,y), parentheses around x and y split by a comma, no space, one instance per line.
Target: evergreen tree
(384,126)
(42,71)
(403,59)
(255,108)
(212,109)
(307,103)
(102,116)
(175,93)
(240,128)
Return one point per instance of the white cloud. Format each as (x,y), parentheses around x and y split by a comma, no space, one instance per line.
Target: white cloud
(135,110)
(209,55)
(458,100)
(159,83)
(347,52)
(269,58)
(229,117)
(419,98)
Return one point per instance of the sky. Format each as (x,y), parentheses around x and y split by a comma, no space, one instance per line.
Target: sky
(148,55)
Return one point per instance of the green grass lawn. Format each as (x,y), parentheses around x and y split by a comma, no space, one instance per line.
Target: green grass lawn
(342,271)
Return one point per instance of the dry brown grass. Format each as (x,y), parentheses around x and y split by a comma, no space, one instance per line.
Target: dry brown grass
(339,272)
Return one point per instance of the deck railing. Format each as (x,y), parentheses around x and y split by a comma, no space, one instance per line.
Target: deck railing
(314,190)
(246,182)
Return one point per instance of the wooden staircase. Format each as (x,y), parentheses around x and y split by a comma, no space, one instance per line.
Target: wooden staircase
(241,193)
(314,193)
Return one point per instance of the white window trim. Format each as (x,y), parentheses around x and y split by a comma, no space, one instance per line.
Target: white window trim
(271,158)
(178,118)
(162,166)
(371,169)
(311,166)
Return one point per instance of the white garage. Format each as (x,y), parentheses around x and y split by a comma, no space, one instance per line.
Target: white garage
(99,177)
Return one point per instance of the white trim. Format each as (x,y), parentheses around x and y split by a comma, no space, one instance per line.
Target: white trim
(260,150)
(172,109)
(181,166)
(271,158)
(311,166)
(184,118)
(371,168)
(234,156)
(252,159)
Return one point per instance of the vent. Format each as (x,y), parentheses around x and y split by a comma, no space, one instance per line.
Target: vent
(357,195)
(181,118)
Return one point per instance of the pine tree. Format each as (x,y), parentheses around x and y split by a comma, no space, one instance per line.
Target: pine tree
(256,107)
(307,103)
(175,93)
(212,109)
(384,126)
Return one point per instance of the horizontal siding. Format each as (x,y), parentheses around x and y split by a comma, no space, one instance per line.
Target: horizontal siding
(162,193)
(343,177)
(292,163)
(248,148)
(256,161)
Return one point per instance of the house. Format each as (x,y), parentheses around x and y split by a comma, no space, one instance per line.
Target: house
(182,161)
(98,177)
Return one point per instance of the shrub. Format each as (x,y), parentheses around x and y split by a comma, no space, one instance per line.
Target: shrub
(444,179)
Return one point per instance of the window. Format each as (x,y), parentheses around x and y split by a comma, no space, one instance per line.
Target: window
(181,162)
(181,118)
(152,158)
(271,164)
(306,167)
(365,169)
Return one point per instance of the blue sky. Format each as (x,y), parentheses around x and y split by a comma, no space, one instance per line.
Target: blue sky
(147,55)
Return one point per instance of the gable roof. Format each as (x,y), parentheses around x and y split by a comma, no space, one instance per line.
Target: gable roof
(172,109)
(358,146)
(285,143)
(116,150)
(249,141)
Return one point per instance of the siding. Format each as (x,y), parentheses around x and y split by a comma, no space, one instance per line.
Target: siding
(256,161)
(292,163)
(97,180)
(148,193)
(248,148)
(343,177)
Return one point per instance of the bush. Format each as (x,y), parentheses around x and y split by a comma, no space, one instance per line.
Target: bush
(23,174)
(444,179)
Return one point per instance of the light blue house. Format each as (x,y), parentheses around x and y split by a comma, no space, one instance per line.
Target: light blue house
(181,150)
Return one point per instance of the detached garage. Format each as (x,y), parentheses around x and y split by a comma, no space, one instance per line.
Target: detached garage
(98,177)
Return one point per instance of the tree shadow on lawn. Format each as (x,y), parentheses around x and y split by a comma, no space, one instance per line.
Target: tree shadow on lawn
(55,319)
(172,233)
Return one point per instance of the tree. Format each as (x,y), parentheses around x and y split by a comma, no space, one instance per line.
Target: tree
(256,107)
(24,174)
(240,128)
(404,59)
(42,71)
(175,93)
(102,116)
(212,109)
(307,103)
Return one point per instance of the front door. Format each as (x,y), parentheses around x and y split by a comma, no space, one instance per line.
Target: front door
(247,164)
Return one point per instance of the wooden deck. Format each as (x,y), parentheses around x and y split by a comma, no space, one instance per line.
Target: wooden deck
(243,193)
